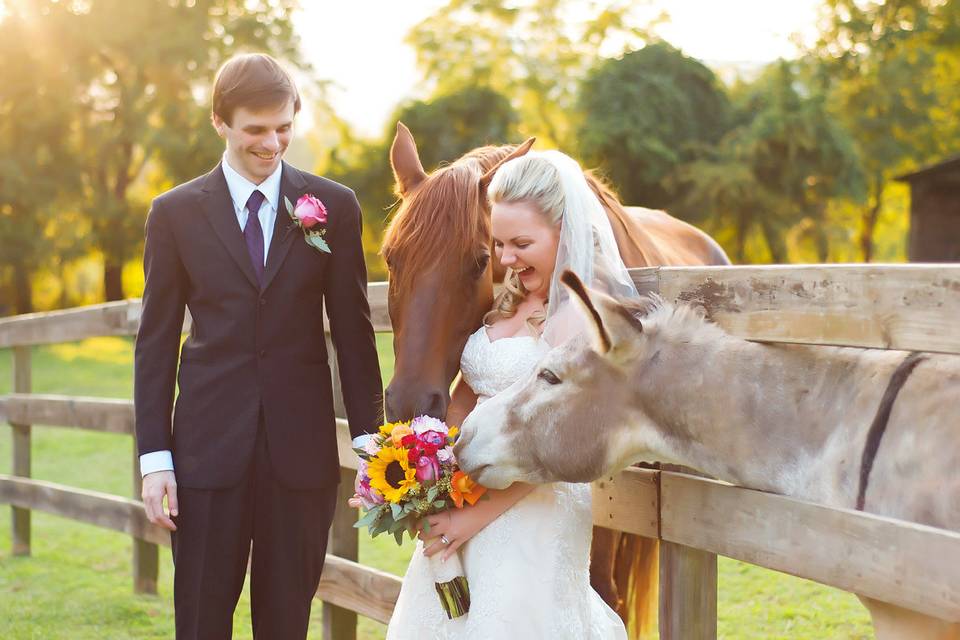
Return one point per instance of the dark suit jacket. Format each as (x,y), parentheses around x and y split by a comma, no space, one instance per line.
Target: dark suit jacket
(250,347)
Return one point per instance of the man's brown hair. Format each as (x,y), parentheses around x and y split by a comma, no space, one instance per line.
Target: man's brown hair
(254,81)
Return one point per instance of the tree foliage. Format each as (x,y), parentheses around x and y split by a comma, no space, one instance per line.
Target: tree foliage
(777,168)
(140,72)
(535,52)
(647,113)
(893,72)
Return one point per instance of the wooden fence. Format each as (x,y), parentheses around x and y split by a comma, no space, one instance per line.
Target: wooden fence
(912,307)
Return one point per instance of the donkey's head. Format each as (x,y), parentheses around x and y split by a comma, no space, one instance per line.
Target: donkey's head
(576,416)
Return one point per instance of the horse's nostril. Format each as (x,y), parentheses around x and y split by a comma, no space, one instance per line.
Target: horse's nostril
(436,405)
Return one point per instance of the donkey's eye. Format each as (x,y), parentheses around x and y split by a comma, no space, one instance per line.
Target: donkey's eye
(548,376)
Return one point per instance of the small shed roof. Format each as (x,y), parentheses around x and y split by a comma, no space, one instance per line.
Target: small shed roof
(949,168)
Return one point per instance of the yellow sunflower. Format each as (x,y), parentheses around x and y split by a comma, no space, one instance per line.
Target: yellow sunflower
(391,474)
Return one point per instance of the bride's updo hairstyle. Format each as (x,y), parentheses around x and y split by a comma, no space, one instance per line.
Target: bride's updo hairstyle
(534,180)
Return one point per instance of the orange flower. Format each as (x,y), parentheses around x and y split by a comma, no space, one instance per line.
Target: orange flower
(463,488)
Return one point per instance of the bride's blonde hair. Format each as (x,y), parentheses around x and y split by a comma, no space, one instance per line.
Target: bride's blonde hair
(533,180)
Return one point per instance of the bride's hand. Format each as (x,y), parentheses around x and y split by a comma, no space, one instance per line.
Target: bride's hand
(457,525)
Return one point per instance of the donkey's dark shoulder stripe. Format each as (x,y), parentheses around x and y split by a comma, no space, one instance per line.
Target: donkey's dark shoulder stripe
(879,425)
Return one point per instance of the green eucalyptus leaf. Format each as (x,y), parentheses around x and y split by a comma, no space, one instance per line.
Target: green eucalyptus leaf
(317,242)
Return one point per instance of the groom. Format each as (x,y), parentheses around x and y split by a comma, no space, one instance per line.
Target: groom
(249,465)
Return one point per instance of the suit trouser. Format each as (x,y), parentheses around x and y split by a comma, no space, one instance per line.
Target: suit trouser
(287,530)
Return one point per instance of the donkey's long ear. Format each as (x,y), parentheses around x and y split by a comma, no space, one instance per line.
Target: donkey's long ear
(516,153)
(609,322)
(405,161)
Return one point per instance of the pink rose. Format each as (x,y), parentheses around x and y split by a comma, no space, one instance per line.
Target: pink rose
(428,470)
(310,211)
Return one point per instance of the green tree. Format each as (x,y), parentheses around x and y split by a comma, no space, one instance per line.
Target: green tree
(37,168)
(779,167)
(534,52)
(645,114)
(893,73)
(145,68)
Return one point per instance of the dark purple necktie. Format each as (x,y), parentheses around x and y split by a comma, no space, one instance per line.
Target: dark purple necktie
(253,233)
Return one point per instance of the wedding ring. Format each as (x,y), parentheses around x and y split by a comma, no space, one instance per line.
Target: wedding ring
(444,540)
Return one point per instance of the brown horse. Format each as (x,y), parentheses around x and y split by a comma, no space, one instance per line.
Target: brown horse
(438,248)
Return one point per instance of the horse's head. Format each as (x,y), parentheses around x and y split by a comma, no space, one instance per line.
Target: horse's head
(438,252)
(576,417)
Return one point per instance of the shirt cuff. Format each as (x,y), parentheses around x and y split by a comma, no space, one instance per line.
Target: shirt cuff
(156,461)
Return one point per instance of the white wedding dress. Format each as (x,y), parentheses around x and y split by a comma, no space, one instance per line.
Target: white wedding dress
(528,570)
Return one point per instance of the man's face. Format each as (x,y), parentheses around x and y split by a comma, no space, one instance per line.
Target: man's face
(256,140)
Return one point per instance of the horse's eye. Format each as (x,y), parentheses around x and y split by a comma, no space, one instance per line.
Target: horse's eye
(481,265)
(548,376)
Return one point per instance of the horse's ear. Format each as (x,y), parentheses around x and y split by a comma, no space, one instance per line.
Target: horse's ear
(405,161)
(516,153)
(608,320)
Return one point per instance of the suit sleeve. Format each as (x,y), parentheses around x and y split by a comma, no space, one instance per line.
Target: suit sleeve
(158,339)
(350,327)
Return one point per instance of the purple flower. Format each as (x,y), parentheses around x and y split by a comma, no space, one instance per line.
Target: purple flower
(369,496)
(445,456)
(422,424)
(434,438)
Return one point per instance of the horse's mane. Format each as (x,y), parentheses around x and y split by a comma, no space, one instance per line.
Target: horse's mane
(444,217)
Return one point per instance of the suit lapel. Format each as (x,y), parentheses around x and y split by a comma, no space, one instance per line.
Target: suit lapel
(285,230)
(218,207)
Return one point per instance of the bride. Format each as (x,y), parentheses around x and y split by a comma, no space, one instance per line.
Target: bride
(525,549)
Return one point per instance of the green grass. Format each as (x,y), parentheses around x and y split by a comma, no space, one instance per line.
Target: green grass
(77,584)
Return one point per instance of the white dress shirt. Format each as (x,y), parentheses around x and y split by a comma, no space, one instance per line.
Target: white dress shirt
(240,189)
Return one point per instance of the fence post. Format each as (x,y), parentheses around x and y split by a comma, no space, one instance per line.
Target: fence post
(688,593)
(21,450)
(146,555)
(344,540)
(688,586)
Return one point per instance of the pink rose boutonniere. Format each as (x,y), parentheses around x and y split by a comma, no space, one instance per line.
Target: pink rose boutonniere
(311,216)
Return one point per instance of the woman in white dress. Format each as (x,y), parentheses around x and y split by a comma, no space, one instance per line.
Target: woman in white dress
(525,549)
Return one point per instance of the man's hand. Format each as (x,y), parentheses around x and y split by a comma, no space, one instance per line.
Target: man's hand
(155,486)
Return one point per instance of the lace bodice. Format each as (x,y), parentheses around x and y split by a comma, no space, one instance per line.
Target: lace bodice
(529,569)
(489,367)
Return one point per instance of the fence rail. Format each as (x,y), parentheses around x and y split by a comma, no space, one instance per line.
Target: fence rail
(893,307)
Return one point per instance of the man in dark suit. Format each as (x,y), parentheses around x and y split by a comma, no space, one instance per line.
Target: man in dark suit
(250,458)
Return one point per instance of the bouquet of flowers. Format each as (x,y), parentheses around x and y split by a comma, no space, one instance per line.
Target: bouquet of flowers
(407,472)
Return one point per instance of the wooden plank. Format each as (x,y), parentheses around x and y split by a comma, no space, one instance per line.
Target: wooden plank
(110,415)
(146,555)
(911,307)
(347,584)
(348,459)
(95,414)
(122,319)
(365,590)
(340,623)
(20,431)
(377,297)
(903,563)
(93,507)
(110,319)
(688,593)
(628,502)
